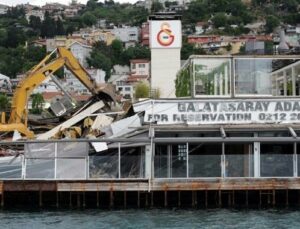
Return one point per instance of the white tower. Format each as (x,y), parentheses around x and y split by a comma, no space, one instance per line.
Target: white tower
(165,44)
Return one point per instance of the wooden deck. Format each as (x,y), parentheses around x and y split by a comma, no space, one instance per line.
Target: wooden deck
(153,185)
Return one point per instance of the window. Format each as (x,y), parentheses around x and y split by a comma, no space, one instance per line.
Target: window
(252,76)
(212,77)
(276,160)
(133,66)
(142,65)
(127,89)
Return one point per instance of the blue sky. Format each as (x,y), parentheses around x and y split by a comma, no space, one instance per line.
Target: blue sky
(42,2)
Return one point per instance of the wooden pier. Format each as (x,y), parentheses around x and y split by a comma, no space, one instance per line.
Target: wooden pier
(197,193)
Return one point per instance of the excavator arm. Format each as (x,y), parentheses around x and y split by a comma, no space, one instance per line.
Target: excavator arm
(18,115)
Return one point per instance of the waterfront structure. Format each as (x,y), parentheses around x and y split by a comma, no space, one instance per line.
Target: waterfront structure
(234,141)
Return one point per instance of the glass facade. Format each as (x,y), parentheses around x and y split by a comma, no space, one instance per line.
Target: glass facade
(182,160)
(239,76)
(212,77)
(253,76)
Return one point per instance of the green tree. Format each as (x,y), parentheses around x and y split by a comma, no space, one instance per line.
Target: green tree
(15,37)
(137,52)
(99,60)
(91,4)
(35,22)
(3,36)
(89,19)
(48,29)
(60,30)
(37,103)
(156,6)
(4,103)
(117,49)
(271,23)
(142,90)
(220,20)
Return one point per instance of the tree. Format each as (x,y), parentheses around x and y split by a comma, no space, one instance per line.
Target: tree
(189,49)
(3,37)
(220,20)
(60,30)
(89,19)
(271,23)
(142,90)
(137,52)
(70,29)
(37,103)
(91,4)
(156,6)
(35,22)
(99,60)
(4,103)
(15,37)
(117,49)
(48,26)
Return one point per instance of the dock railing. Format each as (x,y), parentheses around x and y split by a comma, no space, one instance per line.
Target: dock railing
(134,159)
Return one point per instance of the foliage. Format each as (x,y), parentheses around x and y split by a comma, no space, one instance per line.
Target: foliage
(142,90)
(183,83)
(88,19)
(189,49)
(235,10)
(4,103)
(156,6)
(105,56)
(37,103)
(99,60)
(19,60)
(271,23)
(220,20)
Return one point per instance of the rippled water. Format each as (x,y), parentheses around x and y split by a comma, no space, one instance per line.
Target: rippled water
(218,218)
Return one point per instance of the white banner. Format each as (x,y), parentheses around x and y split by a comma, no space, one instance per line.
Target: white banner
(223,112)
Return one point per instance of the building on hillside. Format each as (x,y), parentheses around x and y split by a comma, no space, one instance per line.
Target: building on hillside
(200,27)
(127,34)
(92,35)
(36,13)
(62,41)
(205,41)
(140,67)
(97,75)
(3,9)
(145,34)
(27,7)
(101,35)
(144,3)
(255,47)
(47,86)
(119,78)
(5,84)
(70,12)
(54,7)
(81,52)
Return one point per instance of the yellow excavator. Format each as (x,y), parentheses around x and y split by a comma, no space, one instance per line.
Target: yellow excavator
(40,72)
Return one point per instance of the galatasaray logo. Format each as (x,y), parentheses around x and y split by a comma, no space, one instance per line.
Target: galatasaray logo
(165,36)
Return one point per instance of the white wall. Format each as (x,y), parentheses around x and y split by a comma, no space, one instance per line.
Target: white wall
(81,52)
(165,63)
